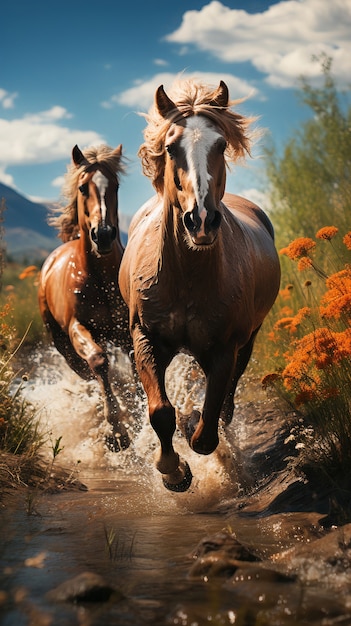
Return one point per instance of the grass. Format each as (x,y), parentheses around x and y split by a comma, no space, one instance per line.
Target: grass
(19,298)
(22,461)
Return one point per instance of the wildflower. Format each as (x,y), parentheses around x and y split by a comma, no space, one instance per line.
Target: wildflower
(31,270)
(327,232)
(286,292)
(347,240)
(304,263)
(269,379)
(305,396)
(298,248)
(337,300)
(292,322)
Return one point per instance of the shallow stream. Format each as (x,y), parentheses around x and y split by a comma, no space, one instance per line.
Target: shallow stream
(161,558)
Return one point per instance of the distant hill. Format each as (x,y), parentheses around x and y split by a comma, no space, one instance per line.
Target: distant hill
(27,235)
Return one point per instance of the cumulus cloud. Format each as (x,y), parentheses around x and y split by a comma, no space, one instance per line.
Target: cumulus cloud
(141,95)
(279,42)
(39,138)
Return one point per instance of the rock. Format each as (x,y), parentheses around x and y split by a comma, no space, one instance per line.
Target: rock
(220,556)
(86,587)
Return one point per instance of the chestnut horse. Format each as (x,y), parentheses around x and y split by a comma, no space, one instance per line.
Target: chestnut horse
(79,298)
(200,271)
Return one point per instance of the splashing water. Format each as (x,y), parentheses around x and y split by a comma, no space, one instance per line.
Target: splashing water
(72,409)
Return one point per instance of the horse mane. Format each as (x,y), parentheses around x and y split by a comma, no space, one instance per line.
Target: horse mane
(66,219)
(192,98)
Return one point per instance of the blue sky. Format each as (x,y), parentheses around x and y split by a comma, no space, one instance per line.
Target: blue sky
(75,72)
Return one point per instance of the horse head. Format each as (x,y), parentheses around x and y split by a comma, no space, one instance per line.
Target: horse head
(195,168)
(97,201)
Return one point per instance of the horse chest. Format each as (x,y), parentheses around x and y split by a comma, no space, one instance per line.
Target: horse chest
(95,302)
(184,321)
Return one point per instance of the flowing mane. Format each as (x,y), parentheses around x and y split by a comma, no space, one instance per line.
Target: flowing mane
(66,219)
(192,98)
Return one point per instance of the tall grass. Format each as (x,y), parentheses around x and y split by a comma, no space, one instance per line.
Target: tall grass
(19,297)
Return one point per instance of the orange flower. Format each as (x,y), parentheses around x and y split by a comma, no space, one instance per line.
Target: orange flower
(286,311)
(286,292)
(31,270)
(347,240)
(269,379)
(298,248)
(305,263)
(327,232)
(305,396)
(291,323)
(337,300)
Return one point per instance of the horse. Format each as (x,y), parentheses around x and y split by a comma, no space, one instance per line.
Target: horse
(200,271)
(79,299)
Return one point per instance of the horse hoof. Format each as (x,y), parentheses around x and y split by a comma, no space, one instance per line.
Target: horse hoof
(117,443)
(184,484)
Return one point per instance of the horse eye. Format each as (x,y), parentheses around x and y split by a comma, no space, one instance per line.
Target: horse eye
(177,182)
(222,144)
(84,190)
(172,150)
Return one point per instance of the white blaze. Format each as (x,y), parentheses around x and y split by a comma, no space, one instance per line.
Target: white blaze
(197,141)
(101,182)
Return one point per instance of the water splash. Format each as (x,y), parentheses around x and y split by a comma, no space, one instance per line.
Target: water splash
(72,409)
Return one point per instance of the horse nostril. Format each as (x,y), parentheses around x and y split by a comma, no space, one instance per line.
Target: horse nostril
(191,222)
(103,237)
(215,220)
(93,235)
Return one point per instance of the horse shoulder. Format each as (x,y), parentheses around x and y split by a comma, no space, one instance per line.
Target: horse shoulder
(256,256)
(140,260)
(248,212)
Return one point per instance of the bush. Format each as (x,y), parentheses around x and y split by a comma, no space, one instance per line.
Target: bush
(310,346)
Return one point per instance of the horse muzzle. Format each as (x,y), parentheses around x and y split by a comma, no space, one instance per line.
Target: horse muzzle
(103,238)
(203,232)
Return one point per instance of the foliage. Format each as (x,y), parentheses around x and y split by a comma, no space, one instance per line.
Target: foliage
(311,181)
(19,424)
(310,337)
(19,297)
(306,340)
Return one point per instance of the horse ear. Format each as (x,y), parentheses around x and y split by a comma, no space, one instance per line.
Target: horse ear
(221,96)
(117,152)
(163,103)
(78,157)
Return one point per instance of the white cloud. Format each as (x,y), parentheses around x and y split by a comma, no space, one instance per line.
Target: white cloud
(7,99)
(279,42)
(39,138)
(142,94)
(160,62)
(58,181)
(6,178)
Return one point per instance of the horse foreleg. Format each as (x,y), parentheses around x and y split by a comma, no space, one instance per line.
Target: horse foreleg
(202,430)
(151,364)
(97,360)
(242,361)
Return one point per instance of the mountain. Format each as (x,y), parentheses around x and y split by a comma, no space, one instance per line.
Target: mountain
(28,237)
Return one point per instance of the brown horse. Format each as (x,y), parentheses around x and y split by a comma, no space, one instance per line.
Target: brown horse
(79,298)
(200,271)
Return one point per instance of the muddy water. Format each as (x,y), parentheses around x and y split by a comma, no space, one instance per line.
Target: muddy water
(147,544)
